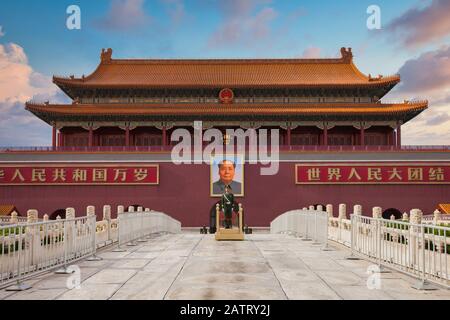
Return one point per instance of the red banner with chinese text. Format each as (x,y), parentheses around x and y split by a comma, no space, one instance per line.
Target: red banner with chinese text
(83,174)
(372,173)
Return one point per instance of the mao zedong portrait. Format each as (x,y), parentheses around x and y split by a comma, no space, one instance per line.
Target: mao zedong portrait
(227,171)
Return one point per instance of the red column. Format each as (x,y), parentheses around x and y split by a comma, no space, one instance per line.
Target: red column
(361,133)
(164,136)
(325,135)
(54,137)
(127,136)
(394,137)
(289,136)
(399,135)
(91,137)
(61,139)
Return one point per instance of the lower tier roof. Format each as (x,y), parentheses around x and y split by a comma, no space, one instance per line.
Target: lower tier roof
(400,111)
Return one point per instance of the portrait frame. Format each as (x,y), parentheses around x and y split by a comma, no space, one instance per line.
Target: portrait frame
(214,174)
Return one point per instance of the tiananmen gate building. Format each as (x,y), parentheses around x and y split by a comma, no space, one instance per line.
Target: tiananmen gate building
(338,142)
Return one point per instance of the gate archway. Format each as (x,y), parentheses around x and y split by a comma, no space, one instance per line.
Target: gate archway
(58,212)
(392,211)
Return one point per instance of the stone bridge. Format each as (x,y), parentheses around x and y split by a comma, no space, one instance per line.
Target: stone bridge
(195,266)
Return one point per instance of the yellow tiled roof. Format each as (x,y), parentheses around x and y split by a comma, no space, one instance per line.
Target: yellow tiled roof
(228,109)
(444,208)
(226,73)
(6,209)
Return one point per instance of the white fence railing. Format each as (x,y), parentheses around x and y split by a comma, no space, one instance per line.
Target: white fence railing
(417,249)
(306,224)
(13,219)
(37,247)
(30,248)
(416,246)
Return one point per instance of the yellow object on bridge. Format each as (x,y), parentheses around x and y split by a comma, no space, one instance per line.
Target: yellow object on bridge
(234,233)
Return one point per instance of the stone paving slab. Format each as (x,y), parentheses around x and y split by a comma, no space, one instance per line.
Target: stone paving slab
(195,266)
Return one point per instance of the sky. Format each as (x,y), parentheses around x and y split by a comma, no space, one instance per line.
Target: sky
(35,44)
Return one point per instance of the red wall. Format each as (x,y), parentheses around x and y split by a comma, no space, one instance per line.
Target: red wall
(184,193)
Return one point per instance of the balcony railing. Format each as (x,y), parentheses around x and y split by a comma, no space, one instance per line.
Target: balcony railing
(283,148)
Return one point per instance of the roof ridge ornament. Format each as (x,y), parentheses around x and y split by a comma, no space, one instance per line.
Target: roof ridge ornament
(347,54)
(106,55)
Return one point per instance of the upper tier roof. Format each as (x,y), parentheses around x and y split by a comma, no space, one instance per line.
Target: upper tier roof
(238,73)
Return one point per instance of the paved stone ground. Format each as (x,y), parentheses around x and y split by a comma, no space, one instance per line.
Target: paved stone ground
(194,266)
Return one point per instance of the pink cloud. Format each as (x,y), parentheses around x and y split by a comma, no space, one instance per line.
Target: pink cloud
(426,77)
(245,22)
(419,26)
(124,15)
(19,83)
(430,72)
(311,53)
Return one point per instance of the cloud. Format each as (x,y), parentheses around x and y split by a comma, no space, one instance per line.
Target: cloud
(244,23)
(438,119)
(419,26)
(427,77)
(2,33)
(430,72)
(124,15)
(311,53)
(19,83)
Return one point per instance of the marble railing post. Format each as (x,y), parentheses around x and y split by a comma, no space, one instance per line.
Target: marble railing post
(342,211)
(13,219)
(70,237)
(436,216)
(376,212)
(342,215)
(330,210)
(405,217)
(32,216)
(415,217)
(31,238)
(90,211)
(107,218)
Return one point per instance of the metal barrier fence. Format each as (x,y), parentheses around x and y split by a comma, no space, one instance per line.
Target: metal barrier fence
(420,250)
(311,225)
(135,226)
(28,249)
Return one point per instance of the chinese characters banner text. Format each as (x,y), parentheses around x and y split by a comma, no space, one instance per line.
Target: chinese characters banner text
(79,175)
(373,173)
